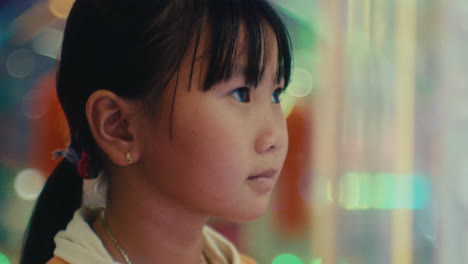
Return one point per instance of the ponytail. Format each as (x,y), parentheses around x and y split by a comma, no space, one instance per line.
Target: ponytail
(59,199)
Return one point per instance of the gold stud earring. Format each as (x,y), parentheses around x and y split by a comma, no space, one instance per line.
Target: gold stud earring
(128,157)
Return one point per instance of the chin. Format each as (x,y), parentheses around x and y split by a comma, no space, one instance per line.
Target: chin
(246,214)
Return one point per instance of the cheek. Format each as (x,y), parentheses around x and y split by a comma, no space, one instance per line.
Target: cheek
(213,143)
(213,158)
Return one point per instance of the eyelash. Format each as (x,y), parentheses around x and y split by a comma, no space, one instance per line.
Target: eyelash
(237,91)
(245,98)
(276,95)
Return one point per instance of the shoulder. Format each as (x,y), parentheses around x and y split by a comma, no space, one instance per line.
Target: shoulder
(57,260)
(221,250)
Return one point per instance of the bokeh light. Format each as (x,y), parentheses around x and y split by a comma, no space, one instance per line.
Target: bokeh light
(48,43)
(287,103)
(301,84)
(20,63)
(316,261)
(32,108)
(384,191)
(29,183)
(386,82)
(4,259)
(356,191)
(60,8)
(287,258)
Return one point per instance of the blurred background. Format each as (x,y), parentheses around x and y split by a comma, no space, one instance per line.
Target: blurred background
(377,119)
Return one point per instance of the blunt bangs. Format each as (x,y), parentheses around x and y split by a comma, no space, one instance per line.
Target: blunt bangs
(260,25)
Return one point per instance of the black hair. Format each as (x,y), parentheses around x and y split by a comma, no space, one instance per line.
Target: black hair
(134,49)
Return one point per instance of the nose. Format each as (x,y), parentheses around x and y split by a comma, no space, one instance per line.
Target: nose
(272,135)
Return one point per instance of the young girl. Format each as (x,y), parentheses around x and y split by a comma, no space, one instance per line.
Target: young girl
(174,105)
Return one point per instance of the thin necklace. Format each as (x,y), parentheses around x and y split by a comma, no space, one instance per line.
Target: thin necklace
(114,240)
(124,255)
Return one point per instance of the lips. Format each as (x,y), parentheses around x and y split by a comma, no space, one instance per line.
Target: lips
(270,173)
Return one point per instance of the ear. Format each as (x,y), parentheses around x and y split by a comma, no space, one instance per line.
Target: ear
(112,123)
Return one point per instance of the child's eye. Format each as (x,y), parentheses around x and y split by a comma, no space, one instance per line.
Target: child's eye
(241,94)
(275,97)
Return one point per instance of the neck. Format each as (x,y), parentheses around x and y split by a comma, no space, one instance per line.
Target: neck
(149,227)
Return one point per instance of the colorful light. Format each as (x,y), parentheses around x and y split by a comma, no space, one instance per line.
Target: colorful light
(301,84)
(287,103)
(60,8)
(316,261)
(4,259)
(384,191)
(20,63)
(48,43)
(29,183)
(287,258)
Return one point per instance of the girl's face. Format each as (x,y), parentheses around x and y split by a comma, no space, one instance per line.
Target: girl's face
(226,148)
